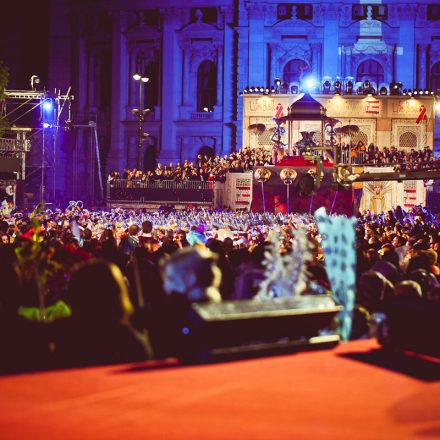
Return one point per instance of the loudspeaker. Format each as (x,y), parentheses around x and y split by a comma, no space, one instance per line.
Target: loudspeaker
(252,327)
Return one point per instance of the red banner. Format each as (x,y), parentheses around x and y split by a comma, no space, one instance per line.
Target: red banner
(422,114)
(280,112)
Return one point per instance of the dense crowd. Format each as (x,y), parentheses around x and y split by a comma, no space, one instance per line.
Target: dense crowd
(215,168)
(206,168)
(102,281)
(399,159)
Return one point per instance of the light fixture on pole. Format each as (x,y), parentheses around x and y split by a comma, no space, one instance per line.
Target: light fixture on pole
(140,113)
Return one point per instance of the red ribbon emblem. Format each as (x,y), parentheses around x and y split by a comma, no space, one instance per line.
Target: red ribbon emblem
(422,114)
(279,111)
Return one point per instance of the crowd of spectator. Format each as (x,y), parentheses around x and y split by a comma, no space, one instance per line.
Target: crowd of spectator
(206,168)
(215,168)
(399,159)
(99,283)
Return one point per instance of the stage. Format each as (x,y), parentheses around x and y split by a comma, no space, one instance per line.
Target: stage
(350,392)
(335,198)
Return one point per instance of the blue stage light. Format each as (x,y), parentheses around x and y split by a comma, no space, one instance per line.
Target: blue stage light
(48,105)
(46,125)
(309,83)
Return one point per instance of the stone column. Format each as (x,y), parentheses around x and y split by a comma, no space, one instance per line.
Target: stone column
(406,52)
(171,77)
(219,77)
(228,127)
(422,66)
(256,47)
(331,42)
(115,159)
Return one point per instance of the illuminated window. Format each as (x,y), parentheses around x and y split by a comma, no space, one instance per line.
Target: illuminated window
(294,70)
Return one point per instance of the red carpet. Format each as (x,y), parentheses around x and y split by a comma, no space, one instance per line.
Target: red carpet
(299,161)
(314,395)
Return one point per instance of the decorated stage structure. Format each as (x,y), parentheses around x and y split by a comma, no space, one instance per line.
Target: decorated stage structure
(309,126)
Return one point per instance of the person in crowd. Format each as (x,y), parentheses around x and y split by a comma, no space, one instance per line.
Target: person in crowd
(99,330)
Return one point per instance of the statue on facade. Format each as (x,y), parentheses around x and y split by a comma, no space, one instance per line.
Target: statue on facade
(278,149)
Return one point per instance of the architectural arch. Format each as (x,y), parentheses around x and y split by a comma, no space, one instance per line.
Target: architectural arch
(370,70)
(435,76)
(206,86)
(294,70)
(206,151)
(408,140)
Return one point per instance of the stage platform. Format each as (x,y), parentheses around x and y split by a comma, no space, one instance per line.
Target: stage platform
(336,199)
(354,391)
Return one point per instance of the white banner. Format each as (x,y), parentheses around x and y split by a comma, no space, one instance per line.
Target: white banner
(238,190)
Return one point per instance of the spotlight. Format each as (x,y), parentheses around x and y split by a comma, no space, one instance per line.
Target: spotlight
(267,90)
(309,84)
(426,92)
(246,90)
(294,90)
(337,86)
(35,82)
(46,125)
(366,87)
(144,79)
(349,88)
(432,92)
(272,90)
(415,92)
(48,105)
(261,89)
(277,82)
(404,91)
(326,87)
(383,91)
(395,88)
(137,76)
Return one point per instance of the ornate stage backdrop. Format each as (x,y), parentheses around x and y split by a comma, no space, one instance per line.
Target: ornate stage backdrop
(398,121)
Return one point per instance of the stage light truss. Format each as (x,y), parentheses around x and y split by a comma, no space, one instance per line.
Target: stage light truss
(15,145)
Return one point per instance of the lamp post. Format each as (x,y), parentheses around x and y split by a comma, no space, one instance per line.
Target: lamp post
(140,113)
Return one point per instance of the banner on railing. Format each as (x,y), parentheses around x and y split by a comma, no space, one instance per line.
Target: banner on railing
(239,190)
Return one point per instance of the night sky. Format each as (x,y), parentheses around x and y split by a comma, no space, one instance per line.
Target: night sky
(24,34)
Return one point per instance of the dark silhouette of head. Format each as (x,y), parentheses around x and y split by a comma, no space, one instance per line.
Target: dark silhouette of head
(97,293)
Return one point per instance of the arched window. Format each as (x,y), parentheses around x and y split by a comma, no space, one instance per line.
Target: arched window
(206,151)
(206,86)
(151,90)
(370,70)
(294,71)
(360,136)
(435,76)
(407,140)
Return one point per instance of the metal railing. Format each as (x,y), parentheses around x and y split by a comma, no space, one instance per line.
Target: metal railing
(161,184)
(161,191)
(202,116)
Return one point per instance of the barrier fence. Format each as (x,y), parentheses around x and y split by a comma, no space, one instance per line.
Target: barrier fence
(163,191)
